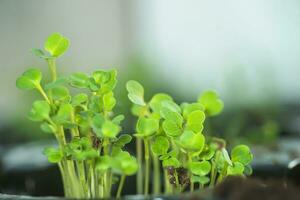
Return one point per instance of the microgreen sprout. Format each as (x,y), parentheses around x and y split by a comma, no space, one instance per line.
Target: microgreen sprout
(90,151)
(174,135)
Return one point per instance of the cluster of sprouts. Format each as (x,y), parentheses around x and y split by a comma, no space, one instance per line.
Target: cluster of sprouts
(78,111)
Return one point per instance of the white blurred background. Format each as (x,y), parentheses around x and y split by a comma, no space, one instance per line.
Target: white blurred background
(247,50)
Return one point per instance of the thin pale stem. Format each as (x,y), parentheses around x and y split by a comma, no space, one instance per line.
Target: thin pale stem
(191,182)
(43,93)
(156,177)
(52,67)
(147,167)
(121,184)
(168,187)
(139,177)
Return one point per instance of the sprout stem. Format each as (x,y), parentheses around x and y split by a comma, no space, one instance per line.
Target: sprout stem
(191,182)
(52,67)
(43,93)
(147,167)
(156,166)
(121,184)
(139,177)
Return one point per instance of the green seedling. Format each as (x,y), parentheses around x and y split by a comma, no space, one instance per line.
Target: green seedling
(173,138)
(90,151)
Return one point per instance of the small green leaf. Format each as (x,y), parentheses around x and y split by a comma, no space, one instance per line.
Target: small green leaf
(171,128)
(109,101)
(39,53)
(30,79)
(123,140)
(160,145)
(190,107)
(203,180)
(79,99)
(109,129)
(168,114)
(58,82)
(236,169)
(147,126)
(53,155)
(207,154)
(248,170)
(106,80)
(97,122)
(192,141)
(103,163)
(56,44)
(48,128)
(156,101)
(40,111)
(170,105)
(135,92)
(79,80)
(60,93)
(200,168)
(118,119)
(211,102)
(137,110)
(195,121)
(129,166)
(171,162)
(241,154)
(64,113)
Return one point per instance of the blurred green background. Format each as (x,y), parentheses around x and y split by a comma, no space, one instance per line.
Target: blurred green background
(246,50)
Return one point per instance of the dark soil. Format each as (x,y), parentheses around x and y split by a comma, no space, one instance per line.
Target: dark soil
(237,188)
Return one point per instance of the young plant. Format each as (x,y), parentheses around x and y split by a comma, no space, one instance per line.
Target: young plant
(90,153)
(173,138)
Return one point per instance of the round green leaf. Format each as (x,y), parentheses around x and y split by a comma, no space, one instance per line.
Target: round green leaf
(172,106)
(147,126)
(236,169)
(123,140)
(109,101)
(195,121)
(56,44)
(103,163)
(64,113)
(211,102)
(248,170)
(171,162)
(171,115)
(79,80)
(160,145)
(97,123)
(190,107)
(171,128)
(191,141)
(135,92)
(241,154)
(60,93)
(79,99)
(53,155)
(30,79)
(129,166)
(200,179)
(40,111)
(110,129)
(156,101)
(48,128)
(118,119)
(200,168)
